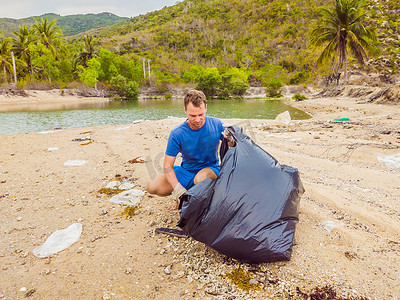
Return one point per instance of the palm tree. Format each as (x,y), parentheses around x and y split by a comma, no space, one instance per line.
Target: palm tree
(341,29)
(20,44)
(48,33)
(88,51)
(5,56)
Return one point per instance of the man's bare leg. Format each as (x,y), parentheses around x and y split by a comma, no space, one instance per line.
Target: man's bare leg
(159,186)
(203,174)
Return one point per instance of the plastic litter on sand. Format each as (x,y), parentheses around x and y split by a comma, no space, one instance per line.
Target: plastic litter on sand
(119,185)
(330,225)
(392,161)
(130,197)
(74,163)
(59,240)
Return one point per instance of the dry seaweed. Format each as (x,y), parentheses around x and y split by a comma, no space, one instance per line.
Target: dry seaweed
(129,211)
(350,255)
(108,191)
(325,293)
(121,178)
(241,278)
(82,139)
(30,293)
(136,160)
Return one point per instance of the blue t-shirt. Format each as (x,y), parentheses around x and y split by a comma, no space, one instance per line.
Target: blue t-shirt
(199,148)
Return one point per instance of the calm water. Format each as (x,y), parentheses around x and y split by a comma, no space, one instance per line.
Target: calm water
(40,118)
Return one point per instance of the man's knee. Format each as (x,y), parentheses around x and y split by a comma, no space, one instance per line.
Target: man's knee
(203,174)
(159,186)
(150,188)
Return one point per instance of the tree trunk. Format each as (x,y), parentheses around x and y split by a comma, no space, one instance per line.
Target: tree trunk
(5,72)
(345,67)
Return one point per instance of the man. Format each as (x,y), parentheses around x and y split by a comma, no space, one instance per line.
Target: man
(197,139)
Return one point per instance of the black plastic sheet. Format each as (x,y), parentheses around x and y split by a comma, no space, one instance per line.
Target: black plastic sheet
(250,211)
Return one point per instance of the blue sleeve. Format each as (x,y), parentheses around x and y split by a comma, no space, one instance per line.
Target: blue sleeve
(173,147)
(222,128)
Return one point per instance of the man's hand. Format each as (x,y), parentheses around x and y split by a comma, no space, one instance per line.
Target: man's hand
(229,137)
(178,191)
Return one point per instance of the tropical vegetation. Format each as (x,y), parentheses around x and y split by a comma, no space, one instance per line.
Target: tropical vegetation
(342,29)
(220,46)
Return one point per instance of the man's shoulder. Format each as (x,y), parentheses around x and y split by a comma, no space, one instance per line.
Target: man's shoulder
(213,120)
(179,130)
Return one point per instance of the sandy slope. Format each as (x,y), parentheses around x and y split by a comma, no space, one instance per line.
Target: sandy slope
(118,258)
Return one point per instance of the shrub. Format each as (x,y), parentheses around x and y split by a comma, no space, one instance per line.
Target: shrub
(21,84)
(209,81)
(300,77)
(274,88)
(239,87)
(298,97)
(233,82)
(117,98)
(128,89)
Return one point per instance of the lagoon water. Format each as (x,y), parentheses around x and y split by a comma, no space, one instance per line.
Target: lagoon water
(24,119)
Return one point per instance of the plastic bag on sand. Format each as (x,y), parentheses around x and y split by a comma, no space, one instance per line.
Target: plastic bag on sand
(284,118)
(130,197)
(119,185)
(59,240)
(74,163)
(330,225)
(250,211)
(392,161)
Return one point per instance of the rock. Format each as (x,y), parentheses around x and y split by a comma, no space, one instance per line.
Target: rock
(253,281)
(103,212)
(167,270)
(284,118)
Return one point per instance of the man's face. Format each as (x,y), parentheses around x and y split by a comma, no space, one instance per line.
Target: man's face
(196,115)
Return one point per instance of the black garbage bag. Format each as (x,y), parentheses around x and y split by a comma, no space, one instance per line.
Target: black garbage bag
(250,211)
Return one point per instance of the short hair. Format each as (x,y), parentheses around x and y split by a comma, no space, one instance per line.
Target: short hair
(196,98)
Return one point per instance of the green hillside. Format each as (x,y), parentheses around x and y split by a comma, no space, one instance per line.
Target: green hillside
(69,25)
(251,34)
(242,34)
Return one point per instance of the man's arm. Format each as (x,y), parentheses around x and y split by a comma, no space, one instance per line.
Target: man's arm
(169,170)
(171,178)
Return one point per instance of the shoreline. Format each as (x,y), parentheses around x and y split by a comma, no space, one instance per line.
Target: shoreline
(46,100)
(347,236)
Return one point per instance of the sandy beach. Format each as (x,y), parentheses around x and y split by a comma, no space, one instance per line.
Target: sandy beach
(33,100)
(348,236)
